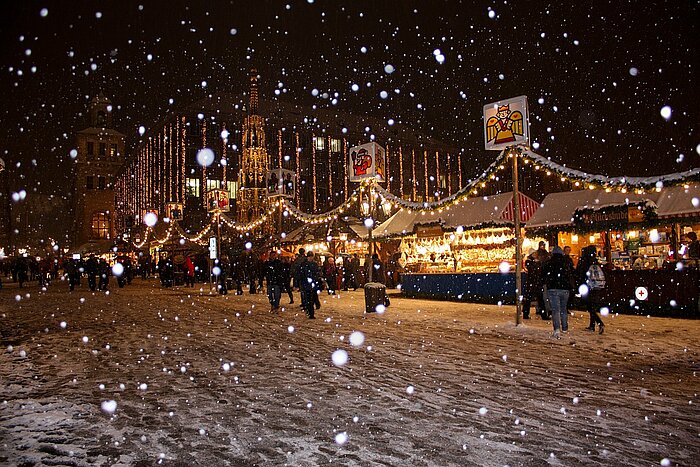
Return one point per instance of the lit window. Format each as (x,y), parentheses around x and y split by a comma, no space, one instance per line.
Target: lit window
(193,187)
(100,225)
(232,189)
(335,145)
(319,143)
(112,150)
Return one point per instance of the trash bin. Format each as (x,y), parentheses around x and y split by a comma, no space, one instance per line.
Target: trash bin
(375,294)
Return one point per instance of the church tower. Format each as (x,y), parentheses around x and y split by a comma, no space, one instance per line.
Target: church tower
(254,164)
(100,156)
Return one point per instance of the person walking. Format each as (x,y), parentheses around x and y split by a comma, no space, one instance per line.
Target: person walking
(103,271)
(91,269)
(287,278)
(188,269)
(350,266)
(591,280)
(559,280)
(274,275)
(329,274)
(71,271)
(307,276)
(533,287)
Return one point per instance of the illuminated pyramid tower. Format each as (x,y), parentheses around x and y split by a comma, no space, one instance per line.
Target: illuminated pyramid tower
(252,203)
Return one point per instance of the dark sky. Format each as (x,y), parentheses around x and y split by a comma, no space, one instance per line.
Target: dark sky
(597,74)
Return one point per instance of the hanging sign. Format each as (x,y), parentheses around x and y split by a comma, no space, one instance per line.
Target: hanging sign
(280,182)
(367,161)
(506,124)
(212,248)
(218,200)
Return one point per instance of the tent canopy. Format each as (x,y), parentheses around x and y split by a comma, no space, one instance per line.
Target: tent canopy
(496,210)
(558,209)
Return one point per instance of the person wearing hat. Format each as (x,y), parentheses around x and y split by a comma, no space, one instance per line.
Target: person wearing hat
(559,280)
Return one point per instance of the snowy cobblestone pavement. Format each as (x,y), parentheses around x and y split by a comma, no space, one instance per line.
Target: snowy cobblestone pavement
(146,376)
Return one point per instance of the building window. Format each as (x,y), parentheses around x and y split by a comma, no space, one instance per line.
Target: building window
(90,182)
(101,183)
(91,148)
(100,225)
(193,187)
(101,120)
(213,184)
(232,189)
(319,143)
(112,150)
(335,145)
(103,149)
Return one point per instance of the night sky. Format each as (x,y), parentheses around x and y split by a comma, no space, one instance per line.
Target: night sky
(597,74)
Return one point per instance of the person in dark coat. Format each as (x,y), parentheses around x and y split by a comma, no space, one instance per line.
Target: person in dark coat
(103,270)
(378,274)
(287,278)
(273,272)
(559,280)
(223,268)
(533,287)
(92,269)
(238,273)
(350,270)
(300,258)
(308,276)
(330,271)
(72,273)
(589,257)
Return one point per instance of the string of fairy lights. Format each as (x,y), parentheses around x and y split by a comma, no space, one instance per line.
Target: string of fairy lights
(579,179)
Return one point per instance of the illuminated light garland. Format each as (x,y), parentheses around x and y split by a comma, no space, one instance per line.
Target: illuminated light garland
(183,153)
(386,168)
(224,156)
(449,175)
(204,167)
(425,173)
(345,168)
(313,169)
(621,183)
(297,166)
(437,174)
(330,169)
(401,170)
(413,180)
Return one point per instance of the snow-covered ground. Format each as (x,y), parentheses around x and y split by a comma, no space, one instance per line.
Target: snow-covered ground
(143,376)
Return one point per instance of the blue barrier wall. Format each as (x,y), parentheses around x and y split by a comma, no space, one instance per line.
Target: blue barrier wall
(477,287)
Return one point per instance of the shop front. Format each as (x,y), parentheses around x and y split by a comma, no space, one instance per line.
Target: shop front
(641,239)
(464,253)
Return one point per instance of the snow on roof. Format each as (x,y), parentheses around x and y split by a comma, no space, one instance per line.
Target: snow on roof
(471,212)
(558,208)
(679,201)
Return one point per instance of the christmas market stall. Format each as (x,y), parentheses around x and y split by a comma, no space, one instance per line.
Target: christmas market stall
(466,252)
(641,238)
(339,237)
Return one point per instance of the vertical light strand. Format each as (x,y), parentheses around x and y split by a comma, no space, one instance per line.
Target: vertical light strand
(149,170)
(170,163)
(425,173)
(313,169)
(183,162)
(401,171)
(297,167)
(161,170)
(279,148)
(345,169)
(224,157)
(386,169)
(329,171)
(459,170)
(449,174)
(413,180)
(204,168)
(437,175)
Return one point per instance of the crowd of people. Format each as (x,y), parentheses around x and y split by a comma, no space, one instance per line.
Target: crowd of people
(553,280)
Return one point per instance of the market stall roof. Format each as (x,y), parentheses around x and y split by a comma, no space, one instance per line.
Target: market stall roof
(471,213)
(97,247)
(558,209)
(307,233)
(679,202)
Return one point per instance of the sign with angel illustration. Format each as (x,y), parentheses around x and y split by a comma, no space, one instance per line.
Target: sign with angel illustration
(506,123)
